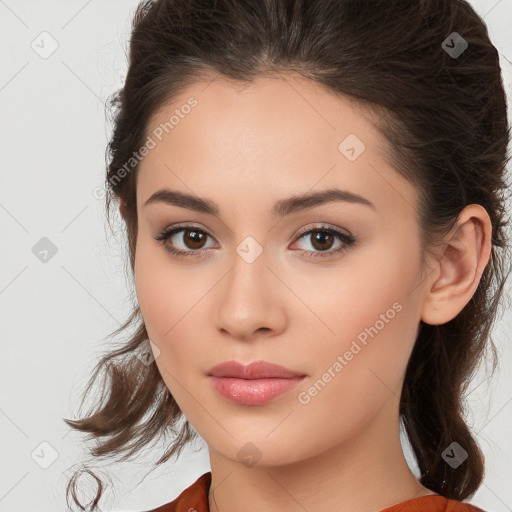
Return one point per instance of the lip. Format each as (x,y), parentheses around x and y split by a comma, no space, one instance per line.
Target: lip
(253,384)
(254,370)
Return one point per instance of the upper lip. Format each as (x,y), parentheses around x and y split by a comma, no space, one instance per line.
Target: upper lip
(254,370)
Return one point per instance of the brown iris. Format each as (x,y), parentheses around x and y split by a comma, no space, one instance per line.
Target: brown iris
(320,238)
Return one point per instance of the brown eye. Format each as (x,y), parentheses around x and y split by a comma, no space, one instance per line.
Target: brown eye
(193,238)
(322,240)
(184,240)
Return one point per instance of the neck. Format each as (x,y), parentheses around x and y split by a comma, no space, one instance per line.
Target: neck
(366,473)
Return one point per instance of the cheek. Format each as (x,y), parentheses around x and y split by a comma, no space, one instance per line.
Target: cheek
(170,301)
(369,290)
(161,293)
(161,308)
(373,320)
(360,372)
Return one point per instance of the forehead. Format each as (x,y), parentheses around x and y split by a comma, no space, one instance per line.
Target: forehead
(287,106)
(283,132)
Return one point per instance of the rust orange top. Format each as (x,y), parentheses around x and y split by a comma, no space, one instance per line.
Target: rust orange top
(195,499)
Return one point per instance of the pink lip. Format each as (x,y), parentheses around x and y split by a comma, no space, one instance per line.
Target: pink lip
(254,370)
(253,384)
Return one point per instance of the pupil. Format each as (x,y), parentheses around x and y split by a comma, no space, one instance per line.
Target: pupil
(198,240)
(321,237)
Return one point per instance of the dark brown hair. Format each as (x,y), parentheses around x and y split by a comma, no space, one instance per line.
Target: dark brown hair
(444,119)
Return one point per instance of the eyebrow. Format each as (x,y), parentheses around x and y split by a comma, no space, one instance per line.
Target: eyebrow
(280,209)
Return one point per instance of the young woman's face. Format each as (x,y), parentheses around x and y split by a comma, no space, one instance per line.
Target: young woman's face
(330,289)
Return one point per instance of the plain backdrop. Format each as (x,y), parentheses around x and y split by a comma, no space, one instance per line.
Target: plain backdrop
(60,61)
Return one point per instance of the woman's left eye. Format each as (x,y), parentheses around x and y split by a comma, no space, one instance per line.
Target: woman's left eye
(326,236)
(194,238)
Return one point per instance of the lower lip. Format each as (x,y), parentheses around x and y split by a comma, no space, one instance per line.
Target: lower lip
(254,391)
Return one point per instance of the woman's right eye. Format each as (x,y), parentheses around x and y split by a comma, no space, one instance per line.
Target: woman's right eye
(192,238)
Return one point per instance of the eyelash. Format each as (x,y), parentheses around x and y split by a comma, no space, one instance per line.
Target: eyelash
(348,241)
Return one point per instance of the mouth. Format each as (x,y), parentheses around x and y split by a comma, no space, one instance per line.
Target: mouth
(253,384)
(253,391)
(254,370)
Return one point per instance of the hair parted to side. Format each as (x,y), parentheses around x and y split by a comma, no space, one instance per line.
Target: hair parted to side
(445,122)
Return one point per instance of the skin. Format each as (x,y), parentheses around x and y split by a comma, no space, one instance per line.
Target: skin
(245,148)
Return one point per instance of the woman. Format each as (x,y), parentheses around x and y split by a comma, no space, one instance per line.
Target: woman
(314,200)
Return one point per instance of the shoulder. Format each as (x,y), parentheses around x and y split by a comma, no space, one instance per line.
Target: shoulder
(433,503)
(193,499)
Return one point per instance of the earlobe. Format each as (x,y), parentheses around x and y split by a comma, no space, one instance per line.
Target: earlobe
(122,209)
(465,254)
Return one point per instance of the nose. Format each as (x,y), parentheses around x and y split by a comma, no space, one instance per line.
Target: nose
(251,301)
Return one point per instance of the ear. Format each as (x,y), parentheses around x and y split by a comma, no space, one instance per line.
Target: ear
(459,266)
(122,209)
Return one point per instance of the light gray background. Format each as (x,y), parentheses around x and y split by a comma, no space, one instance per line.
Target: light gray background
(55,316)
